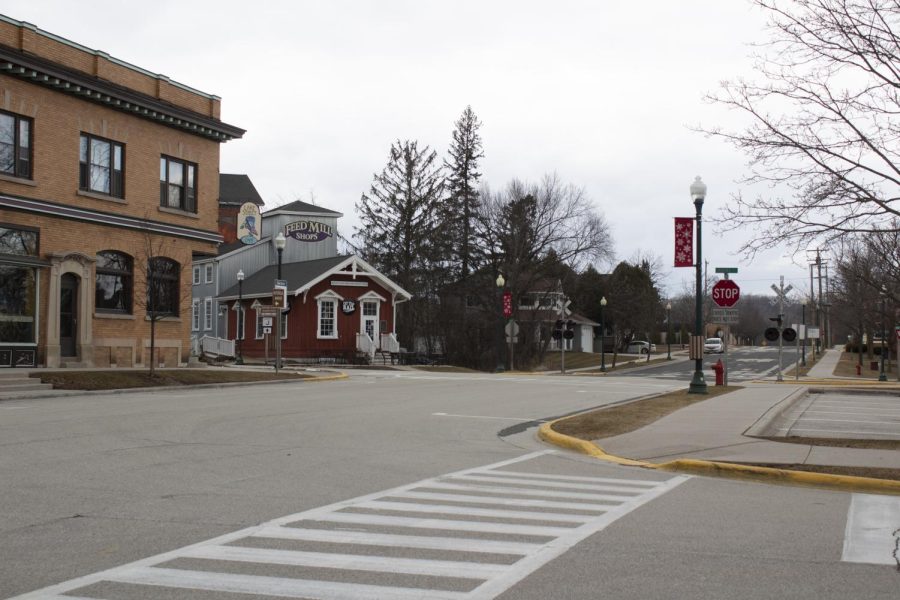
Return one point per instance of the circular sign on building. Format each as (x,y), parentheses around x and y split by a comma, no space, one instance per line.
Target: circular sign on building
(726,293)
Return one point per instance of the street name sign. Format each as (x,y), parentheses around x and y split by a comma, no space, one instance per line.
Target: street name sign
(726,293)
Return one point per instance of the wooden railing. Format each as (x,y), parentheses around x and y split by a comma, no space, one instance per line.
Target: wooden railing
(365,344)
(389,342)
(216,346)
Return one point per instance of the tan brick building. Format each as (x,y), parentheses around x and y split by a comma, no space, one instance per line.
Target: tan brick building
(109,185)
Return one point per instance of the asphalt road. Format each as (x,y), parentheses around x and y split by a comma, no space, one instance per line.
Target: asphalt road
(392,485)
(745,363)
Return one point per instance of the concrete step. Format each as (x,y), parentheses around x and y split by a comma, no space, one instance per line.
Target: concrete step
(24,385)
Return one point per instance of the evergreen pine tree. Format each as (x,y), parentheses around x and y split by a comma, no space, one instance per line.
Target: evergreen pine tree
(462,181)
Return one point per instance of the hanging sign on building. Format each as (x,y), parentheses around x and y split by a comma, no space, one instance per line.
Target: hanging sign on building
(309,231)
(348,307)
(248,223)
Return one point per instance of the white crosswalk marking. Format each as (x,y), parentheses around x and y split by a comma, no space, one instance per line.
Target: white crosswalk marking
(468,535)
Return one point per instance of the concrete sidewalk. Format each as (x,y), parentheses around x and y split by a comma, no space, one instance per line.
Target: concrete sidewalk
(717,430)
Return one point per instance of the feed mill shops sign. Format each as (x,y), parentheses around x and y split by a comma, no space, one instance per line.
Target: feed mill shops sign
(308,231)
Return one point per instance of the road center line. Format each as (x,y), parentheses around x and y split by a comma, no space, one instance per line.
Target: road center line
(440,414)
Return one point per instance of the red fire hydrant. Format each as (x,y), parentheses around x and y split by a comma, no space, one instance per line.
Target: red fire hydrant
(719,370)
(859,369)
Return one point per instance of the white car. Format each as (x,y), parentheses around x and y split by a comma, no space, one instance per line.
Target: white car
(640,348)
(713,346)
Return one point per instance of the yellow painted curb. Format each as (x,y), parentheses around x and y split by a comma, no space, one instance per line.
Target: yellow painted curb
(335,377)
(723,469)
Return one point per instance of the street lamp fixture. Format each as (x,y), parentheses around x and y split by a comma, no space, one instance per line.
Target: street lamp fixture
(698,383)
(669,330)
(280,242)
(240,317)
(500,283)
(602,336)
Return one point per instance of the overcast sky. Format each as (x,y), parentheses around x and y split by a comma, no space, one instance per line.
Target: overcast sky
(602,93)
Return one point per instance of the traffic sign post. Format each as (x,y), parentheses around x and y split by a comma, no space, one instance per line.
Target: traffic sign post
(726,293)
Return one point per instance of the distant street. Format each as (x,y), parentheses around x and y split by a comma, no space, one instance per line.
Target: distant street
(745,363)
(390,485)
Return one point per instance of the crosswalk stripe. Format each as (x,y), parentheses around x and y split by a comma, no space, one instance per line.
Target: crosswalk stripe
(355,562)
(873,530)
(272,586)
(418,523)
(634,482)
(585,506)
(568,486)
(473,512)
(398,541)
(496,489)
(344,523)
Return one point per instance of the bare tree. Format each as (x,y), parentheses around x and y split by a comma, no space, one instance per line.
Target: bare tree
(823,123)
(166,288)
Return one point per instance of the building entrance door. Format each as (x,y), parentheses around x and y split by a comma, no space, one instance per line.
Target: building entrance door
(68,311)
(370,321)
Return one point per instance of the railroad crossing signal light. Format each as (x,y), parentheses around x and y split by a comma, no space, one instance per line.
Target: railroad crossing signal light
(558,329)
(569,333)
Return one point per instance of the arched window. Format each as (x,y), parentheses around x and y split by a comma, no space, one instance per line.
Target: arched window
(113,283)
(163,279)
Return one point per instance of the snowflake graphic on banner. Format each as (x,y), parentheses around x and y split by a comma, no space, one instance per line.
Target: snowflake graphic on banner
(684,241)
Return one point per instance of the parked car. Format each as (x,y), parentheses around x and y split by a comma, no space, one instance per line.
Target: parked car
(640,347)
(713,346)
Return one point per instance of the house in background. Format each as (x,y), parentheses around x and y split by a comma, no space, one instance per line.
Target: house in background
(108,174)
(338,306)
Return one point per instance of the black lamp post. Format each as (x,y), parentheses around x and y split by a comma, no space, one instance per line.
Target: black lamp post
(239,334)
(280,242)
(602,336)
(698,383)
(882,376)
(500,283)
(669,330)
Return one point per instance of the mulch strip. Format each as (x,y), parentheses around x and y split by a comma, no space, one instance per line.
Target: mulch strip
(127,379)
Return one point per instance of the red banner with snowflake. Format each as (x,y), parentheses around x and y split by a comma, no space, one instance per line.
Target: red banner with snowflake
(684,242)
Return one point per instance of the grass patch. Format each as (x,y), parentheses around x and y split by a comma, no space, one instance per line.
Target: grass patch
(126,379)
(583,360)
(846,367)
(608,422)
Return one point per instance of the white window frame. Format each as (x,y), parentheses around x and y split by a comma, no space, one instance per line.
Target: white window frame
(284,328)
(241,324)
(209,273)
(259,326)
(195,314)
(207,313)
(196,276)
(328,296)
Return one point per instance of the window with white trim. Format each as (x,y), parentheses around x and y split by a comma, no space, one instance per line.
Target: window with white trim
(196,276)
(241,317)
(195,315)
(284,319)
(207,313)
(327,318)
(260,334)
(209,273)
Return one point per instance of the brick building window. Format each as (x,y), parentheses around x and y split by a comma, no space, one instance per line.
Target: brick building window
(113,282)
(18,284)
(177,184)
(15,145)
(163,278)
(101,166)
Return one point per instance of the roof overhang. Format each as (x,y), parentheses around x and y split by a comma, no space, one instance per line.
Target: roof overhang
(51,75)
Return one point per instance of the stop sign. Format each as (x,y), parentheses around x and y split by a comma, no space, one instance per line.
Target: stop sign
(726,293)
